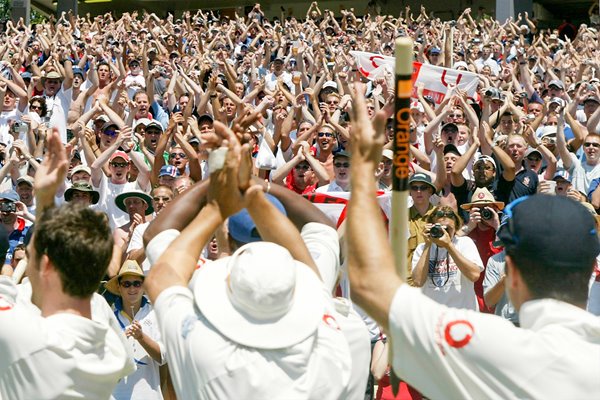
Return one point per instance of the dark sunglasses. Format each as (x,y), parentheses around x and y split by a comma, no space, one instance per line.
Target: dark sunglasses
(326,134)
(174,155)
(442,214)
(534,159)
(342,164)
(119,164)
(35,107)
(135,284)
(590,144)
(153,132)
(302,166)
(421,188)
(110,132)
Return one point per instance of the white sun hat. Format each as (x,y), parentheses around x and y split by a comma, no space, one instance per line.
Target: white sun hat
(260,297)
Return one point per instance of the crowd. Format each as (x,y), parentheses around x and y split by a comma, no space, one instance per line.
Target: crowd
(125,123)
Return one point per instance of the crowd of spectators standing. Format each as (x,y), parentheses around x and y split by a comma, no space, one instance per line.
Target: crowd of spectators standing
(140,102)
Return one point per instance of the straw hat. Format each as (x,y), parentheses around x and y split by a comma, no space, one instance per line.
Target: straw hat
(129,267)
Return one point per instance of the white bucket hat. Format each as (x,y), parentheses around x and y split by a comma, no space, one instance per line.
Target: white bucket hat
(260,297)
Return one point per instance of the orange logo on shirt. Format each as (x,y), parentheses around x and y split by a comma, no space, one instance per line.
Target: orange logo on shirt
(459,333)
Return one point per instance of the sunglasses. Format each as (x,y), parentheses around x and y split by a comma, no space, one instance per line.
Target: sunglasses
(342,164)
(174,155)
(135,284)
(110,132)
(153,132)
(333,102)
(35,107)
(119,164)
(590,144)
(442,214)
(326,134)
(302,166)
(419,188)
(536,159)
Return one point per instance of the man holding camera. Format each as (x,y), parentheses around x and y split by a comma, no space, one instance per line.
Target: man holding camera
(483,224)
(15,226)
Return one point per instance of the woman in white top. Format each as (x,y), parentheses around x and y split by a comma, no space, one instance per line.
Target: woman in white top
(446,266)
(136,317)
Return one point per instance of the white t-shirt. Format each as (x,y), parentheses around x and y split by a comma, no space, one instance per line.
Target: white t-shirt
(593,304)
(445,283)
(60,356)
(447,353)
(331,187)
(108,193)
(59,106)
(583,174)
(5,117)
(144,383)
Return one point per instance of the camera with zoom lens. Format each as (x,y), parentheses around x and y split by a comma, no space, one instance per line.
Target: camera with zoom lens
(436,231)
(486,214)
(8,207)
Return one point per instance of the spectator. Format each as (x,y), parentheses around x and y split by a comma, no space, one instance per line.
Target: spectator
(82,193)
(341,170)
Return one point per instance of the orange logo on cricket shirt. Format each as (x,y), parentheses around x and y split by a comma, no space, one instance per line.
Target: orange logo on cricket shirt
(459,333)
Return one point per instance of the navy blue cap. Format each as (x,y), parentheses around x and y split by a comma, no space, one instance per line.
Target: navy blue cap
(243,229)
(556,231)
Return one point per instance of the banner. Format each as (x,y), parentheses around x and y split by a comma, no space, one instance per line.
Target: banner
(436,79)
(334,204)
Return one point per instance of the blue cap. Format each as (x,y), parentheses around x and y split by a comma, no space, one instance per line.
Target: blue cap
(168,170)
(26,75)
(10,195)
(77,71)
(243,229)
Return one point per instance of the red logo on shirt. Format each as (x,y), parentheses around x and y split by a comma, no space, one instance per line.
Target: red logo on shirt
(459,333)
(5,305)
(330,321)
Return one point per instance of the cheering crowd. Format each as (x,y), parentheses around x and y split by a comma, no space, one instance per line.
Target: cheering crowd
(163,169)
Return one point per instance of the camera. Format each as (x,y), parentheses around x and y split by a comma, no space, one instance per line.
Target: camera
(486,213)
(436,231)
(491,92)
(8,207)
(20,127)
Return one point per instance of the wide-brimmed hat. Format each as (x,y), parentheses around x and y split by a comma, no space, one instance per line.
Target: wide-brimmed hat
(52,75)
(129,267)
(82,186)
(260,297)
(120,200)
(482,197)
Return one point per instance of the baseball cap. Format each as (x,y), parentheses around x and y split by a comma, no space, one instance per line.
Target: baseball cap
(563,174)
(435,50)
(81,168)
(342,153)
(485,158)
(10,195)
(53,75)
(205,117)
(26,75)
(154,124)
(423,178)
(556,82)
(25,179)
(168,170)
(450,148)
(556,231)
(121,154)
(450,126)
(387,153)
(591,98)
(330,84)
(548,130)
(243,229)
(141,121)
(532,150)
(77,71)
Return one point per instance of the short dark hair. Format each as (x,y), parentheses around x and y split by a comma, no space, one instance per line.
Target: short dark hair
(544,282)
(78,242)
